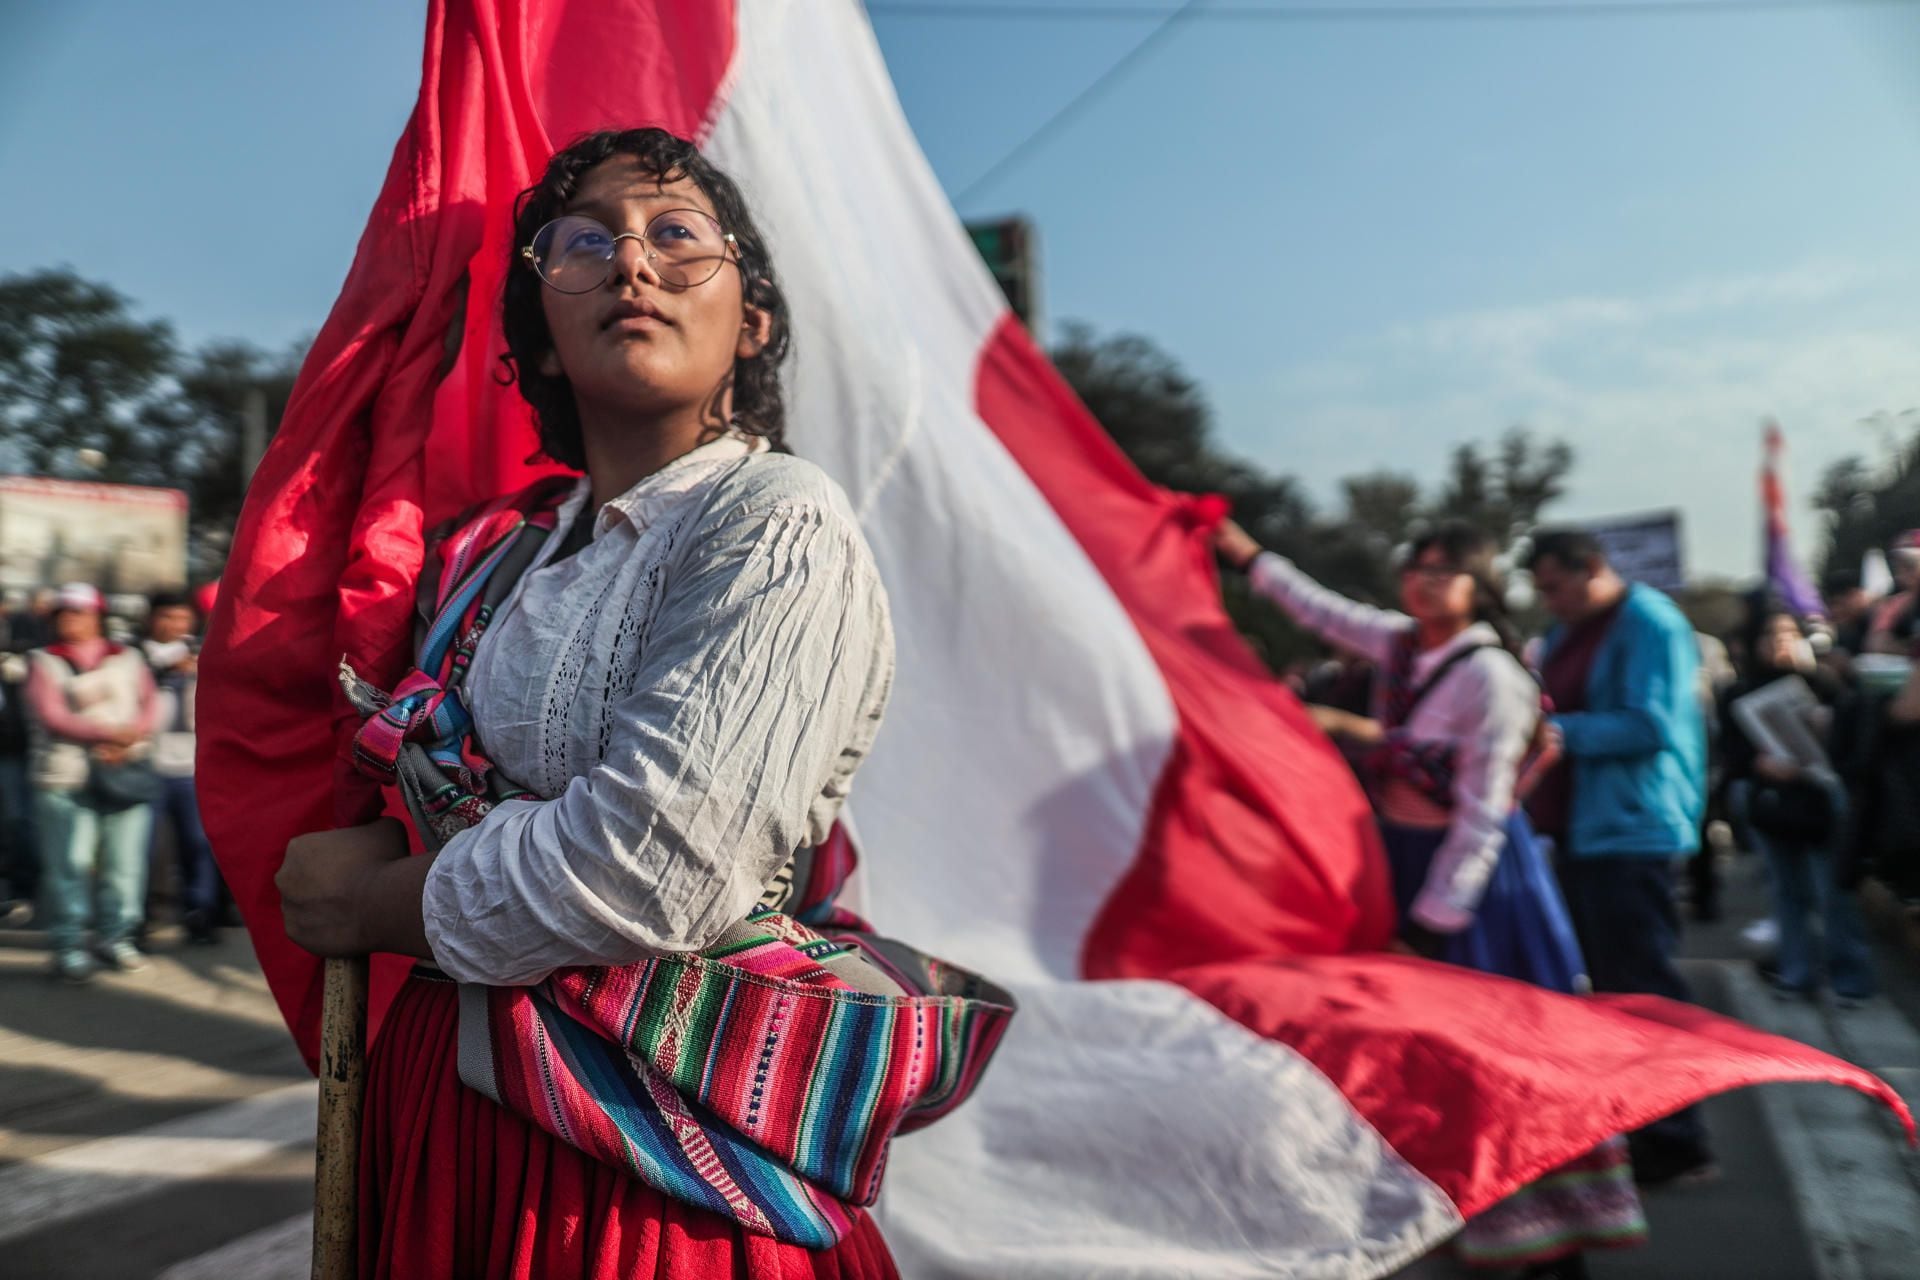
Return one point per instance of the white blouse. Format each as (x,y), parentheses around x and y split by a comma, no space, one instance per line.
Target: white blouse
(1486,707)
(689,694)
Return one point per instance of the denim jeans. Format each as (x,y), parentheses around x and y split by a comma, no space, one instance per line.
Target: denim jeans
(1803,887)
(199,877)
(75,837)
(1628,923)
(19,846)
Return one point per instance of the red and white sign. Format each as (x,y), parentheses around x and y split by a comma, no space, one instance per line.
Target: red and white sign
(118,537)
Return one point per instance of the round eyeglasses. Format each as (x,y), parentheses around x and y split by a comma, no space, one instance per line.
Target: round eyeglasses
(1434,575)
(574,254)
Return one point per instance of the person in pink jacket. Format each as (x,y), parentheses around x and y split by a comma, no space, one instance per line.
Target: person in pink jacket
(90,713)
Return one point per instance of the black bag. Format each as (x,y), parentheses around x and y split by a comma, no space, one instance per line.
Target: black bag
(113,787)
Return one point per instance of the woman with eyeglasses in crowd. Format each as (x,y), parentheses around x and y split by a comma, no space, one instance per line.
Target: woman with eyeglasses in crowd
(1456,718)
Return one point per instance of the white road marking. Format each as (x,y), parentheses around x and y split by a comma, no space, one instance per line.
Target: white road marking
(89,1176)
(283,1251)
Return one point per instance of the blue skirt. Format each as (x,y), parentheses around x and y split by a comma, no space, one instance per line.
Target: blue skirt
(1521,930)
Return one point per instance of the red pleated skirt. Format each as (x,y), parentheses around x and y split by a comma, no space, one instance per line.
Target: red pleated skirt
(453,1187)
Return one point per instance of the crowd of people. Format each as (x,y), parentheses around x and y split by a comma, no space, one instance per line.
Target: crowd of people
(1539,800)
(96,777)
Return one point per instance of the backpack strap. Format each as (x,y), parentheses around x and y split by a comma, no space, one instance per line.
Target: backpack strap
(1440,673)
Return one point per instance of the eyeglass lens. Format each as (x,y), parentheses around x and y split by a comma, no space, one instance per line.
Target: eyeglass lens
(574,254)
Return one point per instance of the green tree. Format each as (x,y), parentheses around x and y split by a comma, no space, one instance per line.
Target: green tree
(219,387)
(1382,507)
(78,373)
(1865,506)
(1504,491)
(89,391)
(1146,402)
(1160,418)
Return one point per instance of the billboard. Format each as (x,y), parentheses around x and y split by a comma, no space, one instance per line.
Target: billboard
(1645,548)
(119,537)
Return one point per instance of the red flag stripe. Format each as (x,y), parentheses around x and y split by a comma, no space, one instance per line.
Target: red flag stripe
(373,446)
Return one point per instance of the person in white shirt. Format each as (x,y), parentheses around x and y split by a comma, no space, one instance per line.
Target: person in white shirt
(684,679)
(1456,715)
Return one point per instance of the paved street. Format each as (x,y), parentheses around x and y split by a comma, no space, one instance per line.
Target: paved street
(160,1125)
(148,1119)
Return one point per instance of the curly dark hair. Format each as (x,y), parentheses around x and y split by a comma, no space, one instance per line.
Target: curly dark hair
(758,407)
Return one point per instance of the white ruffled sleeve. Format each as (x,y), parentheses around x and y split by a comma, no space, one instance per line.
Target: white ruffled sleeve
(1484,772)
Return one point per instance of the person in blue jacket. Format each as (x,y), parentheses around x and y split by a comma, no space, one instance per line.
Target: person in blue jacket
(1622,669)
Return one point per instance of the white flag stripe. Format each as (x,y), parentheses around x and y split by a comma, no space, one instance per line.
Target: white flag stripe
(90,1176)
(1029,724)
(1126,1129)
(1129,1131)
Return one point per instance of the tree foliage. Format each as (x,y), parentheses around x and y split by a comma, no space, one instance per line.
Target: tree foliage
(90,391)
(1504,491)
(1866,505)
(79,374)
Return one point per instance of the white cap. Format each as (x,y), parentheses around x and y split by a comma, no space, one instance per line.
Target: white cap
(79,595)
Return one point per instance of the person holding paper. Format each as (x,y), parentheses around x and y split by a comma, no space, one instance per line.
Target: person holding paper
(1795,811)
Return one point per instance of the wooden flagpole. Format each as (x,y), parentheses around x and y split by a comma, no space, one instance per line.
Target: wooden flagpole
(343,1087)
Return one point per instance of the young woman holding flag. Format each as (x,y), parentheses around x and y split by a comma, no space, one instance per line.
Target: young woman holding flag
(641,698)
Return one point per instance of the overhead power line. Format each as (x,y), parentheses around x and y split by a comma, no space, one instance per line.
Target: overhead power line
(1169,23)
(1303,13)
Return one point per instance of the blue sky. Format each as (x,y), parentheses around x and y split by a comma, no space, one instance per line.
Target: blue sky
(1369,240)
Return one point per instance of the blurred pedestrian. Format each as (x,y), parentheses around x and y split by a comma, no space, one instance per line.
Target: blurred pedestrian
(1795,815)
(90,709)
(1893,626)
(1877,752)
(19,852)
(32,627)
(172,652)
(1717,673)
(1621,668)
(13,609)
(1454,714)
(1849,613)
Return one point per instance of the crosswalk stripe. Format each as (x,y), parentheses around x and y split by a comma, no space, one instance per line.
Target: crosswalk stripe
(89,1176)
(283,1251)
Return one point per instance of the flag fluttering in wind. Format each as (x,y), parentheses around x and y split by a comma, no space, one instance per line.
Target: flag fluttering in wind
(1086,787)
(1785,579)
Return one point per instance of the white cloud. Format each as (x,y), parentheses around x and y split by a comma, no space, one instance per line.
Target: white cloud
(1661,395)
(1509,332)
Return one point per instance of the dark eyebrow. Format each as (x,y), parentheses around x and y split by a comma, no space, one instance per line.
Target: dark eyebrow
(610,213)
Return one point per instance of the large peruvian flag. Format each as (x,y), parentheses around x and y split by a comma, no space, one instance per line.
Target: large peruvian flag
(1086,787)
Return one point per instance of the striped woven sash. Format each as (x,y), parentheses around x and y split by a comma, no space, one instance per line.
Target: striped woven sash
(761,1078)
